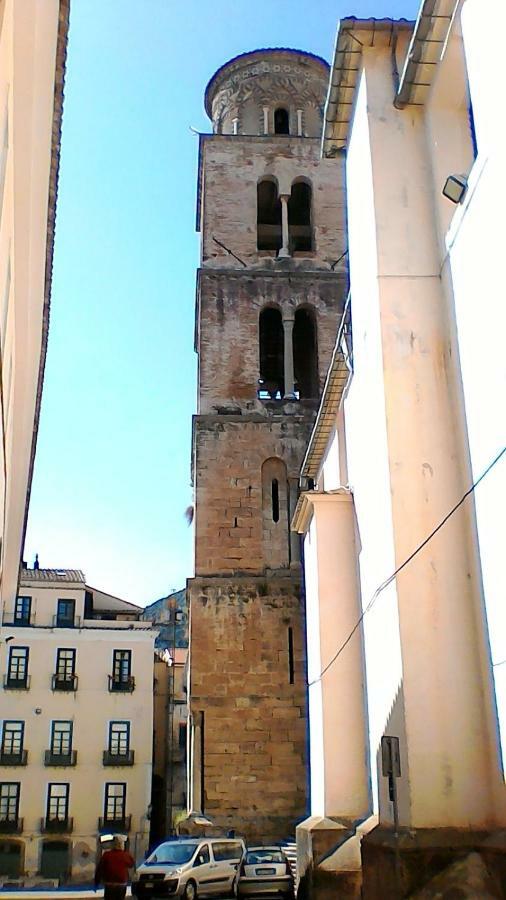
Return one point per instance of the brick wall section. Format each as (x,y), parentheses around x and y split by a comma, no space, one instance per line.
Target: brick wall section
(228,337)
(233,166)
(229,452)
(254,719)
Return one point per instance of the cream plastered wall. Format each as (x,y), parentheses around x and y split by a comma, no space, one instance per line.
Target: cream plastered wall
(450,744)
(366,438)
(473,267)
(27,75)
(90,708)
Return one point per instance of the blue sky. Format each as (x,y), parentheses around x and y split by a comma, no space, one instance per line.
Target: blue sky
(112,474)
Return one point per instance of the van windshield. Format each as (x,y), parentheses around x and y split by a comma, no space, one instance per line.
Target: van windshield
(172,854)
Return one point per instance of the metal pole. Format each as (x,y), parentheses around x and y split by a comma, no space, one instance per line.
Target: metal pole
(170,737)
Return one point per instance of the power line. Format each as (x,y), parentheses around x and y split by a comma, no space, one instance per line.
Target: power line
(403,565)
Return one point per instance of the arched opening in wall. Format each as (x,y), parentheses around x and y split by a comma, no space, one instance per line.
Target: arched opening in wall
(269,235)
(281,121)
(305,353)
(299,217)
(276,535)
(11,858)
(55,860)
(271,347)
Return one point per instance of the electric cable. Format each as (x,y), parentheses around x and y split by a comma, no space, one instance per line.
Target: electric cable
(403,565)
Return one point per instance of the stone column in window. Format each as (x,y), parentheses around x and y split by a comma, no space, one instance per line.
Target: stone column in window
(235,125)
(299,122)
(285,248)
(288,320)
(266,119)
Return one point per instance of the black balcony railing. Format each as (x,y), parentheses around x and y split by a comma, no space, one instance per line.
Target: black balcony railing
(13,683)
(13,759)
(57,826)
(121,685)
(11,826)
(18,621)
(60,759)
(66,621)
(118,759)
(121,825)
(64,682)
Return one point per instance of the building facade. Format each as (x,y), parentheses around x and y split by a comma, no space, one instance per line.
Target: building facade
(407,426)
(33,39)
(77,727)
(270,295)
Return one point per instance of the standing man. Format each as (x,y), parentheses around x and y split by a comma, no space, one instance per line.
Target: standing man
(112,870)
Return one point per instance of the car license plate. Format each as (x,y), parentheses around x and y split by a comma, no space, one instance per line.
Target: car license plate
(149,884)
(266,871)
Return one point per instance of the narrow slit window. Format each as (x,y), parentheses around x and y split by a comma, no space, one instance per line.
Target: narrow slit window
(291,673)
(275,499)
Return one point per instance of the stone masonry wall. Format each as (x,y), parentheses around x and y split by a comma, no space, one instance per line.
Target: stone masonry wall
(254,719)
(229,452)
(233,166)
(228,329)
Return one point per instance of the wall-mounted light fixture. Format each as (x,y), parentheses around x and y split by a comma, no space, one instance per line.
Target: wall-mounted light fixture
(455,187)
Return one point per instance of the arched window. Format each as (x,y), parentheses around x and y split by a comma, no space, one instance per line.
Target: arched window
(299,217)
(281,121)
(305,354)
(275,514)
(271,347)
(268,216)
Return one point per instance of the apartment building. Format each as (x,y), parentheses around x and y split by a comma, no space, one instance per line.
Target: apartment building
(76,727)
(33,41)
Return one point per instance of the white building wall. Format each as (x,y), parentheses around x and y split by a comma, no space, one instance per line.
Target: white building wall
(367,440)
(314,667)
(475,245)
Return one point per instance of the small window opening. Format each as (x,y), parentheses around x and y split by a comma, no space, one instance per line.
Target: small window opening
(269,236)
(291,670)
(299,217)
(281,121)
(305,355)
(272,381)
(275,499)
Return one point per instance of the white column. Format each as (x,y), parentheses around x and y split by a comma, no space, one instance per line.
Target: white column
(299,122)
(288,321)
(266,120)
(337,704)
(285,249)
(235,125)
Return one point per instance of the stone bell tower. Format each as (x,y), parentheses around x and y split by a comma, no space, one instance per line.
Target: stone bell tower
(270,295)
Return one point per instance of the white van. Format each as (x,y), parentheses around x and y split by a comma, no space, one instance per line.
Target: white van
(187,867)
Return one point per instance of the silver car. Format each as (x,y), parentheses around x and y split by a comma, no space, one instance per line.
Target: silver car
(265,870)
(189,867)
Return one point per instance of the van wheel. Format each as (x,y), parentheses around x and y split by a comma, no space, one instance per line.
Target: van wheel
(190,891)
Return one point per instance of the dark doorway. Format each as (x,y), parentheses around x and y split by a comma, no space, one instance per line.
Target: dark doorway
(10,859)
(299,217)
(305,355)
(281,121)
(55,860)
(268,216)
(272,380)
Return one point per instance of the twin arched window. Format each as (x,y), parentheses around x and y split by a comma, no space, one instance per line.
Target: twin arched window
(272,354)
(269,216)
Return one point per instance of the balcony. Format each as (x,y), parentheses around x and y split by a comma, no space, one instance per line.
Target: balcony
(13,759)
(11,825)
(11,683)
(118,759)
(66,622)
(64,682)
(121,825)
(121,685)
(57,826)
(60,759)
